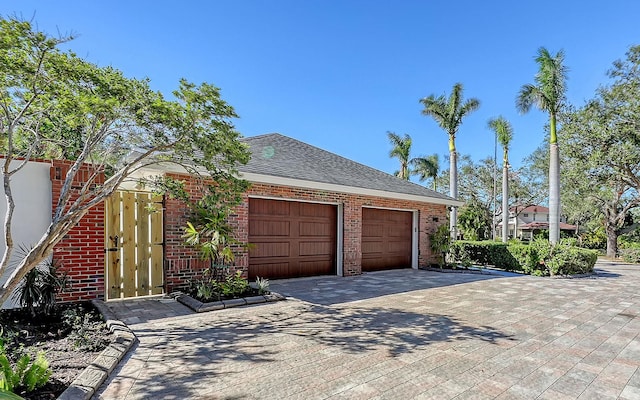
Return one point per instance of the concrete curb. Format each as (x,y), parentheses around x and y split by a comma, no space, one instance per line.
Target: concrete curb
(199,306)
(86,384)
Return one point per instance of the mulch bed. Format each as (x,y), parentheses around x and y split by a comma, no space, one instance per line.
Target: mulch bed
(71,337)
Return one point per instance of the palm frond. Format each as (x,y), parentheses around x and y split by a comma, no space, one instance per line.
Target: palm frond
(503,131)
(548,93)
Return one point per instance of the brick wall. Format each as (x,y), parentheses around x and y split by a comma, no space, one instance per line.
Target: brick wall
(182,263)
(81,252)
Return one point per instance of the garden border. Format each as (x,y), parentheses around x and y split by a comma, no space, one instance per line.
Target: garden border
(88,382)
(199,306)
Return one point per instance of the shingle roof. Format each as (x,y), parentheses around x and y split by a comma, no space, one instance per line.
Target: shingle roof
(281,156)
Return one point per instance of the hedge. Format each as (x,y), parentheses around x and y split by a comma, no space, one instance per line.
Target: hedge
(537,258)
(631,255)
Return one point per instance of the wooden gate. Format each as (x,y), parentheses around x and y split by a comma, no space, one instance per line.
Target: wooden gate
(133,245)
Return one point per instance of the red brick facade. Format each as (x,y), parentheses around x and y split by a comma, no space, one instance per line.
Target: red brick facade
(81,252)
(183,263)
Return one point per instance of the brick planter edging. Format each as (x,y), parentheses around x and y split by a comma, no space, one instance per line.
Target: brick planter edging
(456,271)
(199,306)
(86,384)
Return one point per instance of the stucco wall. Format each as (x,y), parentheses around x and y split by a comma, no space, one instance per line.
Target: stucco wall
(31,188)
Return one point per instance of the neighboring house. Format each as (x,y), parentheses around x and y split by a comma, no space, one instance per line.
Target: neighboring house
(527,221)
(308,212)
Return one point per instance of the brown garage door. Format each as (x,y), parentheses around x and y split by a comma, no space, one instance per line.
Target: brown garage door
(290,239)
(386,239)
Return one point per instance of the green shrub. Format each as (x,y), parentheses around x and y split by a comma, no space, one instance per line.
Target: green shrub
(483,253)
(84,329)
(38,289)
(25,375)
(631,255)
(596,239)
(235,285)
(572,260)
(526,258)
(561,259)
(537,258)
(440,242)
(262,285)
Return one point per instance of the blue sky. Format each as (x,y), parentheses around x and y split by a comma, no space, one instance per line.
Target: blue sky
(340,74)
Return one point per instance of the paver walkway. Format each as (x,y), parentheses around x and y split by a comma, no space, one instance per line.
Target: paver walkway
(395,335)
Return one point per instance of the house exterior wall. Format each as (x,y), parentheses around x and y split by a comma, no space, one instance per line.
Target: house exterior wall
(31,189)
(81,252)
(182,263)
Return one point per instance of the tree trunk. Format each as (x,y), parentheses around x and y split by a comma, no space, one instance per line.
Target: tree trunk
(554,193)
(612,241)
(453,192)
(40,251)
(505,203)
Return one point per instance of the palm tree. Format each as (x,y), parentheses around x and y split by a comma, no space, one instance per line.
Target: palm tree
(426,167)
(504,132)
(547,94)
(448,113)
(400,150)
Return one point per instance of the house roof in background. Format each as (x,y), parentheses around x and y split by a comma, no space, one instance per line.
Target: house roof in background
(290,159)
(536,209)
(545,225)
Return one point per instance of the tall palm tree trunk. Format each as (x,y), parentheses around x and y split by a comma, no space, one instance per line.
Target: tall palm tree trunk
(554,193)
(453,190)
(505,203)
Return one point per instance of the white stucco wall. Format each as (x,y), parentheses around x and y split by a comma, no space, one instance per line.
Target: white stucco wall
(31,188)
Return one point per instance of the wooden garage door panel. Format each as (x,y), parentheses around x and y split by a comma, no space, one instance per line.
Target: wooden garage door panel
(386,239)
(319,267)
(315,228)
(369,248)
(269,208)
(374,230)
(315,210)
(309,238)
(267,269)
(266,227)
(270,249)
(321,249)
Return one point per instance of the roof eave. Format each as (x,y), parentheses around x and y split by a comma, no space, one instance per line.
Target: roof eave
(277,180)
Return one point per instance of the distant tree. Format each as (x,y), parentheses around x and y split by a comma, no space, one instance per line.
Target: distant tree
(400,150)
(502,128)
(603,153)
(548,94)
(55,104)
(426,168)
(475,221)
(448,112)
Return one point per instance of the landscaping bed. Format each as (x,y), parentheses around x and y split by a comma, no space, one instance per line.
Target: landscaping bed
(200,305)
(71,337)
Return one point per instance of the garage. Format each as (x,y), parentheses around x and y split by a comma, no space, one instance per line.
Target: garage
(386,239)
(290,239)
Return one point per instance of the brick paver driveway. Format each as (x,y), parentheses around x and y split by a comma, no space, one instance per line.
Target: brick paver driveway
(398,335)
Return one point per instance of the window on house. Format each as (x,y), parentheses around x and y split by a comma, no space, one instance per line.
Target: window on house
(525,215)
